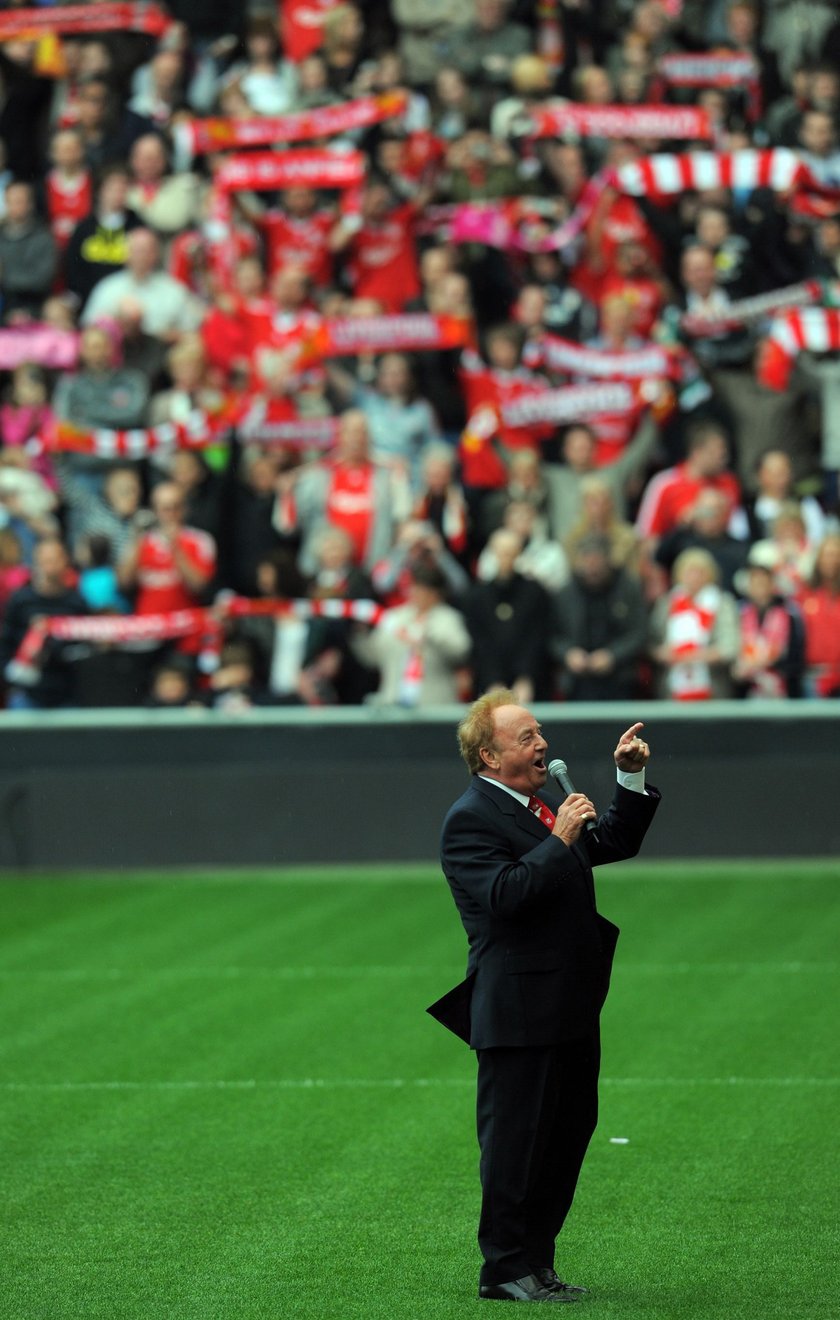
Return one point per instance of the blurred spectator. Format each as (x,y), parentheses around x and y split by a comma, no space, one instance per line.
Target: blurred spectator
(190,391)
(108,129)
(416,543)
(770,660)
(49,594)
(381,252)
(28,255)
(265,79)
(484,49)
(13,571)
(705,527)
(418,647)
(453,103)
(709,333)
(98,245)
(166,202)
(670,495)
(25,411)
(203,491)
(440,500)
(824,370)
(111,513)
(820,604)
(423,27)
(159,87)
(579,448)
(235,683)
(599,627)
(343,48)
(507,615)
(774,490)
(27,502)
(794,552)
(171,565)
(351,491)
(98,577)
(169,310)
(101,392)
(731,251)
(820,151)
(172,684)
(296,233)
(599,518)
(694,632)
(248,534)
(400,423)
(539,559)
(68,186)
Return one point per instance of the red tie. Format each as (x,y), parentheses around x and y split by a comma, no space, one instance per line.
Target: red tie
(545,814)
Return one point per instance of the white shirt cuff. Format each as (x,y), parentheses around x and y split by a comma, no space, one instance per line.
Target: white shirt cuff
(632,779)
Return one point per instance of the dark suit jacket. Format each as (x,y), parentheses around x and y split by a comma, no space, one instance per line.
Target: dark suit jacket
(540,953)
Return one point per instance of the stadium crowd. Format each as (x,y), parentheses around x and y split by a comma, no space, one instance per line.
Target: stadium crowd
(422,348)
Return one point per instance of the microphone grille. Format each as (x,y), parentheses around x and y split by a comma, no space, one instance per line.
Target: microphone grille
(557,767)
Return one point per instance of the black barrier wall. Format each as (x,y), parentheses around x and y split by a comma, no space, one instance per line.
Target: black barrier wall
(113,789)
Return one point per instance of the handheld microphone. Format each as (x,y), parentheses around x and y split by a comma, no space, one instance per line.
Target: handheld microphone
(560,771)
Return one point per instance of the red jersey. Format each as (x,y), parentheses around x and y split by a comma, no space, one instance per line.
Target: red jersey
(486,387)
(299,241)
(622,223)
(286,333)
(230,337)
(204,262)
(643,294)
(68,202)
(671,493)
(160,586)
(383,259)
(821,615)
(350,503)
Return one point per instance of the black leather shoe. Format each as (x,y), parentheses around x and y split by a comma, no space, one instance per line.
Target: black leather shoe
(529,1289)
(549,1279)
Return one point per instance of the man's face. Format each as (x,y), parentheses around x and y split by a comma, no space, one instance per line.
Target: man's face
(517,757)
(698,272)
(142,253)
(817,133)
(18,203)
(50,567)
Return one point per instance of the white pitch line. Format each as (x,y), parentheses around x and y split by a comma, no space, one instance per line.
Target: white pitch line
(311,973)
(392,1083)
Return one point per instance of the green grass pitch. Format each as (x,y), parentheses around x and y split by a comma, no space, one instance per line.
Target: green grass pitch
(221,1098)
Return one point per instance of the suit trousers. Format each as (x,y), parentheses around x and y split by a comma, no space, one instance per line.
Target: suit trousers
(536,1112)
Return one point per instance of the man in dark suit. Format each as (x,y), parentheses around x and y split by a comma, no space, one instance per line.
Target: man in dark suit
(520,870)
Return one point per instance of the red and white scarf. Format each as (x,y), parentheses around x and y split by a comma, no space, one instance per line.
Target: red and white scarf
(504,223)
(688,631)
(198,432)
(814,328)
(124,629)
(198,137)
(634,364)
(747,310)
(25,24)
(270,170)
(721,69)
(403,332)
(619,121)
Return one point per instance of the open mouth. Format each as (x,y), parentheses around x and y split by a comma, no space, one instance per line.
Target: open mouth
(539,764)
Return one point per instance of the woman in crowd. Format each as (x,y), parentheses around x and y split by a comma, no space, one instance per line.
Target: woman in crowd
(694,632)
